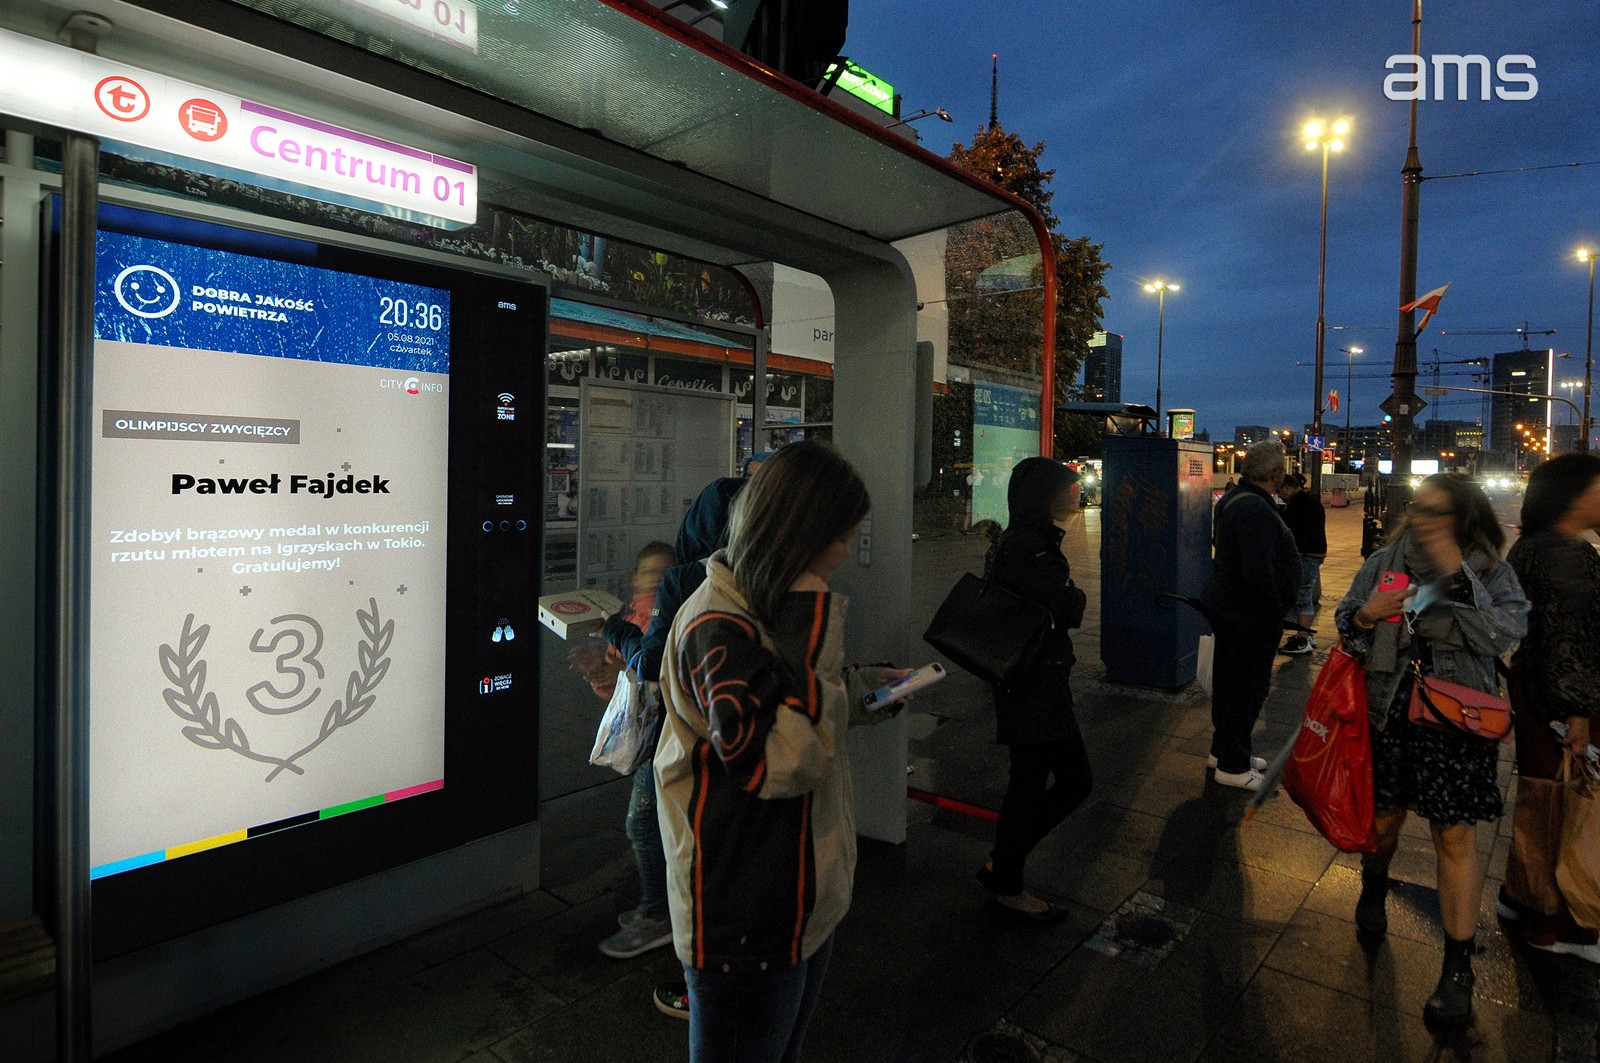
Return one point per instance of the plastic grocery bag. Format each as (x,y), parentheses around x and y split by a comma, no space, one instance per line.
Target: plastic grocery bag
(1329,772)
(626,727)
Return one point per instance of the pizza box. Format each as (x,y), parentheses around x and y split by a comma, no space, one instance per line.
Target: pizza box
(579,612)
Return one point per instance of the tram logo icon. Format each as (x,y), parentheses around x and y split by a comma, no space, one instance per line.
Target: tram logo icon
(121,98)
(147,291)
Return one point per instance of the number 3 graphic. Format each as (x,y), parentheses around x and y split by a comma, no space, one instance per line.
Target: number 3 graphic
(305,632)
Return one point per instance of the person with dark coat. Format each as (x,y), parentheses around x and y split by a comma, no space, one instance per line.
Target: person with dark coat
(1555,688)
(1308,522)
(1255,577)
(1050,774)
(703,532)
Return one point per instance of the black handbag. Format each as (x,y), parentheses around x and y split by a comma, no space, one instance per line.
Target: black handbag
(991,632)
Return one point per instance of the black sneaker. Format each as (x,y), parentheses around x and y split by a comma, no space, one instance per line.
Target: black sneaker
(672,999)
(1297,646)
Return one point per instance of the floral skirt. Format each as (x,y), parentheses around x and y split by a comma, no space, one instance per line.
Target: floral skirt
(1445,778)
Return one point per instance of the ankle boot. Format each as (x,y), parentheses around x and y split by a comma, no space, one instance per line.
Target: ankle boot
(1372,916)
(1451,1003)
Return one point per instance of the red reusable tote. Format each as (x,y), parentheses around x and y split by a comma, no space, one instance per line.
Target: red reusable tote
(1329,772)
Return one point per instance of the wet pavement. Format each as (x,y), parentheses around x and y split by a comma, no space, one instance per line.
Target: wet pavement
(1189,935)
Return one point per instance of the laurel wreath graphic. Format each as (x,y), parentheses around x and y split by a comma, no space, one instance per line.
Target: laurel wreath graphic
(207,728)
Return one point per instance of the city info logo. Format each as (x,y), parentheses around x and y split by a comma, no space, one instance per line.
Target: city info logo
(1411,82)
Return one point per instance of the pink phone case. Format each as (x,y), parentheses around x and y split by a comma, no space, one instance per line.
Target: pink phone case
(1393,581)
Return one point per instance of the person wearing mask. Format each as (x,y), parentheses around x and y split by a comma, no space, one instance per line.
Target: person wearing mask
(648,926)
(1555,680)
(753,769)
(1308,522)
(1050,773)
(1255,578)
(1459,609)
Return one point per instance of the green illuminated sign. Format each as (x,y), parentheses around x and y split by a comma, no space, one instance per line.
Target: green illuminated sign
(865,86)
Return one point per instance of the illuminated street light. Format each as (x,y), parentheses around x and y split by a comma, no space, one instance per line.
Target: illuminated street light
(1586,255)
(1160,288)
(1349,354)
(1328,137)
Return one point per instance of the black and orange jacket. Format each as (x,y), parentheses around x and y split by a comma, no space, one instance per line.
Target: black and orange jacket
(753,777)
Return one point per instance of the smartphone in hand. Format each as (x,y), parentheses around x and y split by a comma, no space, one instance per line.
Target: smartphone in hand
(1393,581)
(902,688)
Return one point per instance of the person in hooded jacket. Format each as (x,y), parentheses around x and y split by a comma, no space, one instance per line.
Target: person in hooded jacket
(703,532)
(1050,773)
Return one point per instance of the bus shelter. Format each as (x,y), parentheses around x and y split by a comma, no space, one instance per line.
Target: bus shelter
(189,181)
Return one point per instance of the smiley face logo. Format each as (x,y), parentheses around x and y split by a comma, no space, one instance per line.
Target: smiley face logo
(147,291)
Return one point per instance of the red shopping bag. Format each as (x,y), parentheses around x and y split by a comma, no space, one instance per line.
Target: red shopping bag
(1329,772)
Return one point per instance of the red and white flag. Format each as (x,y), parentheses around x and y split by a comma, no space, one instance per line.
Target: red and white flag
(1429,302)
(1430,305)
(1333,401)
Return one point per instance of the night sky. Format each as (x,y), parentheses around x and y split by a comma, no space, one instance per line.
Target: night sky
(1174,130)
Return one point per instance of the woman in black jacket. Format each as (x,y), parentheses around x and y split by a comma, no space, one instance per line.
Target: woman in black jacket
(1050,773)
(1555,680)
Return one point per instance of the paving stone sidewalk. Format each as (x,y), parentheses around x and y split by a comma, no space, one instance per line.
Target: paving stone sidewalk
(1190,936)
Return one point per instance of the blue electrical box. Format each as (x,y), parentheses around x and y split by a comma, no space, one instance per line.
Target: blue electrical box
(1155,538)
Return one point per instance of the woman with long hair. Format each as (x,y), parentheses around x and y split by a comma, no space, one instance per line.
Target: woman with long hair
(1452,606)
(1555,680)
(1050,774)
(752,771)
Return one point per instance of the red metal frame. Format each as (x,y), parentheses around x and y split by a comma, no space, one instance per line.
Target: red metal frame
(737,61)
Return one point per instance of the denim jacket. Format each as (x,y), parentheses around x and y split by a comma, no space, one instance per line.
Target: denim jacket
(1491,623)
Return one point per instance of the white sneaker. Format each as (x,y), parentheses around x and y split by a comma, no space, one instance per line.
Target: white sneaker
(1256,763)
(1244,780)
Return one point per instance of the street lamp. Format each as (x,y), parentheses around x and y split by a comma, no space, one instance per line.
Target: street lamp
(1349,377)
(1328,137)
(1586,255)
(1567,386)
(1161,288)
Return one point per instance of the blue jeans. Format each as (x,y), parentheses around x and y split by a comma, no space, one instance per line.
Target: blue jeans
(644,831)
(758,1017)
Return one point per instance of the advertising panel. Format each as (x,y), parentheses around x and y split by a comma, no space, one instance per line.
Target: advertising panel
(315,540)
(269,524)
(1005,429)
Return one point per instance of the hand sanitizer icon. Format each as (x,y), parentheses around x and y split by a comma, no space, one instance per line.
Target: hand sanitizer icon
(503,632)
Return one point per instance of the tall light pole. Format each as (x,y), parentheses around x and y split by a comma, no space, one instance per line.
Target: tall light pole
(1329,137)
(1161,288)
(1349,378)
(1567,386)
(1586,255)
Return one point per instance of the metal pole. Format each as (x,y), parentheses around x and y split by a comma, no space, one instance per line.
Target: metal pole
(1161,331)
(1322,273)
(1405,345)
(1588,364)
(1348,388)
(80,168)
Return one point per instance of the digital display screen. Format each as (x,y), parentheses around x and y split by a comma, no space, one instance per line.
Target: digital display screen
(315,519)
(270,540)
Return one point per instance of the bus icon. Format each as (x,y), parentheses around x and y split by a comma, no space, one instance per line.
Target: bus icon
(203,120)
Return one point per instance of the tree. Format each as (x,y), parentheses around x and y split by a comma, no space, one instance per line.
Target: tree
(994,319)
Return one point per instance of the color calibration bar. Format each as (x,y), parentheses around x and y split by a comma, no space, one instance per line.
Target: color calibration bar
(160,855)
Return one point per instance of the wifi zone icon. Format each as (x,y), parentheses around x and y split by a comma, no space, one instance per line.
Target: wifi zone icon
(506,411)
